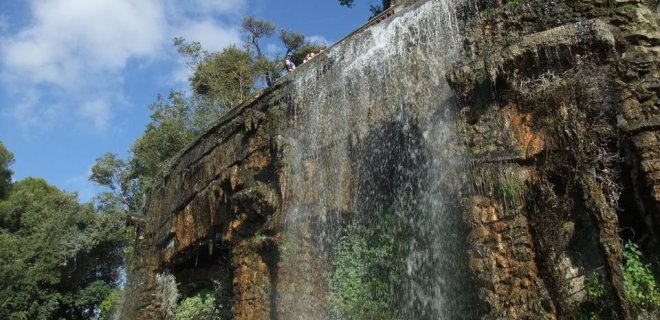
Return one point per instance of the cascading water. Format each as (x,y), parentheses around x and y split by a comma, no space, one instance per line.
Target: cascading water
(372,231)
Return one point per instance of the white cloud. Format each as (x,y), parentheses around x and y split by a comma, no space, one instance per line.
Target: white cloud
(98,113)
(31,112)
(70,39)
(68,49)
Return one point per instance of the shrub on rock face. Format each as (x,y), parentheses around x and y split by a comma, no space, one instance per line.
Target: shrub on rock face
(369,267)
(206,304)
(642,287)
(198,307)
(641,284)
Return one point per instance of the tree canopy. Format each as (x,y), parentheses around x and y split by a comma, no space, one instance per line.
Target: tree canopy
(226,77)
(229,77)
(58,258)
(175,121)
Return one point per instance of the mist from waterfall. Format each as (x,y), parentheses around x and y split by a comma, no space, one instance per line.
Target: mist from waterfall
(374,146)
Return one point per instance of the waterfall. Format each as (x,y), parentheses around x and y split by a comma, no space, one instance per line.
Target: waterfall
(372,160)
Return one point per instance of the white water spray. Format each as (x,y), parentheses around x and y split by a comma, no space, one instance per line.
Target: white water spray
(373,134)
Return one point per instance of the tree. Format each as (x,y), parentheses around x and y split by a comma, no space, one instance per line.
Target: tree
(111,172)
(220,81)
(292,41)
(175,122)
(226,77)
(6,159)
(375,9)
(256,30)
(170,129)
(58,258)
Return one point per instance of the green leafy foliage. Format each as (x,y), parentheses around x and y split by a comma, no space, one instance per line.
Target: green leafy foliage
(210,300)
(369,267)
(641,284)
(58,258)
(198,307)
(110,306)
(169,130)
(226,77)
(175,121)
(641,287)
(256,29)
(292,41)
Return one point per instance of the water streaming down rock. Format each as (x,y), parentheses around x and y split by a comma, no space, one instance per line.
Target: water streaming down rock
(372,140)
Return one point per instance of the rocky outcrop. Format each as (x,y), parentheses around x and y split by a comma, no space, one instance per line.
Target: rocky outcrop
(212,211)
(558,93)
(547,148)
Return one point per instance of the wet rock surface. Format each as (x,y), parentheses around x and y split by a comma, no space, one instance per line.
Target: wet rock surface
(562,91)
(555,122)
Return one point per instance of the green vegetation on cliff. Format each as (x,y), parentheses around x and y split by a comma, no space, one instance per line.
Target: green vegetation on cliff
(220,81)
(642,279)
(369,266)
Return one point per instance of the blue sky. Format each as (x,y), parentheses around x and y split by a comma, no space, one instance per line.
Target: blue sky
(76,76)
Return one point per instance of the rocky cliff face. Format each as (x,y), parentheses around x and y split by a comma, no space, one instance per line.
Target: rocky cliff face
(559,102)
(525,134)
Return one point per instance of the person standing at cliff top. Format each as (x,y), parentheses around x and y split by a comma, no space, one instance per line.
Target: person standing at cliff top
(290,66)
(307,57)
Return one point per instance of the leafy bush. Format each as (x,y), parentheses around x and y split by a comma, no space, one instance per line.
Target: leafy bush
(641,285)
(359,286)
(369,267)
(198,307)
(109,307)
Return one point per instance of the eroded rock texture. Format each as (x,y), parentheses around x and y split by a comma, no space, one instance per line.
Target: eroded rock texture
(210,213)
(555,123)
(560,99)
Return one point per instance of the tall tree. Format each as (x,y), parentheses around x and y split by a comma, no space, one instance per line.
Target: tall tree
(220,81)
(175,121)
(58,258)
(256,30)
